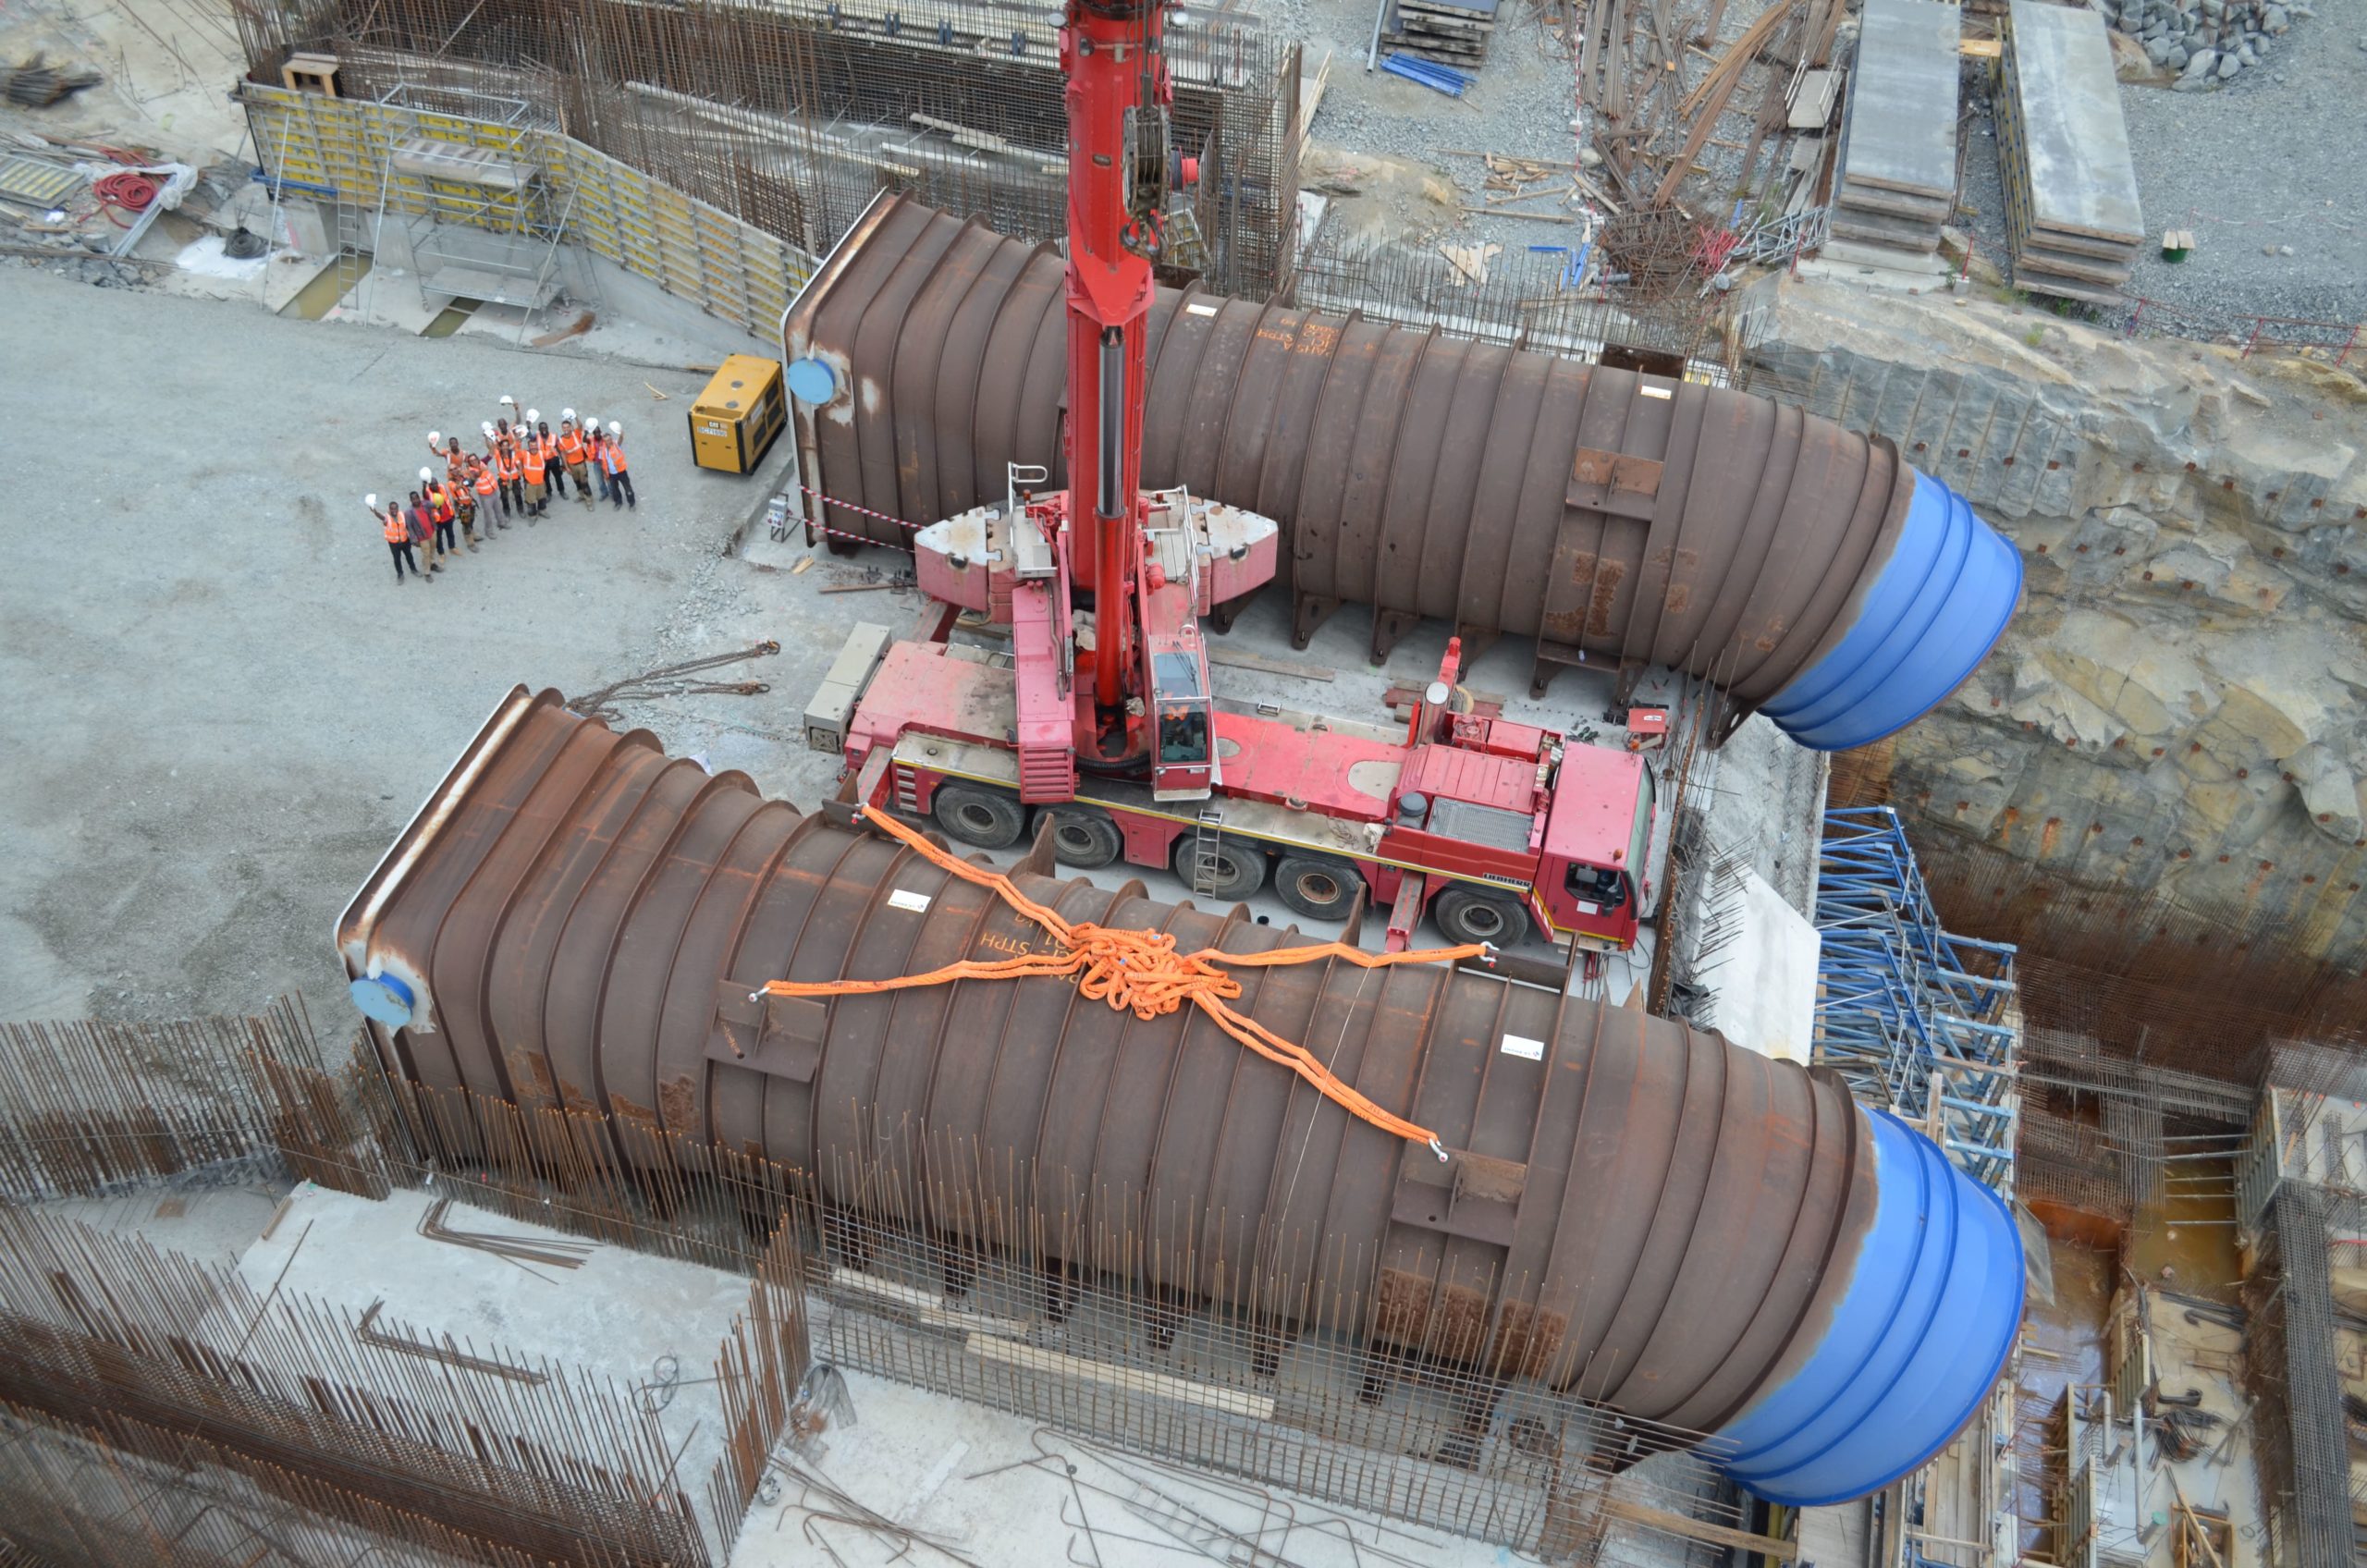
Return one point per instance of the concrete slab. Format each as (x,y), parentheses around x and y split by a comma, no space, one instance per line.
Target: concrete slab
(2081,177)
(212,1224)
(1902,123)
(997,1490)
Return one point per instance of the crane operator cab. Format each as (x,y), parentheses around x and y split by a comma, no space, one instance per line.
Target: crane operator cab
(1184,739)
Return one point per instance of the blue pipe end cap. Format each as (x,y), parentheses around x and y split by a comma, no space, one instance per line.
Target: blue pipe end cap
(1911,1348)
(384,998)
(812,381)
(1935,609)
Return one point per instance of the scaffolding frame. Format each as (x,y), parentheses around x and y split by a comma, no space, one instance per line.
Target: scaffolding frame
(479,216)
(1914,1017)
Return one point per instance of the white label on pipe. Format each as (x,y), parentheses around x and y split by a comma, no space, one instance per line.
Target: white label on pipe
(1200,310)
(1523,1047)
(903,898)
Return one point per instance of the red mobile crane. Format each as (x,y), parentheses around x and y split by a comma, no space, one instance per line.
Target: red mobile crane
(1103,718)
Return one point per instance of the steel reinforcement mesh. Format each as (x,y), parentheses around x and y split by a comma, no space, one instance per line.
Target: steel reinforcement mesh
(1280,1388)
(118,1343)
(792,117)
(2305,1441)
(92,1105)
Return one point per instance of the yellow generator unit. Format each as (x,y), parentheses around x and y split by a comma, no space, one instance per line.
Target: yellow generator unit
(735,421)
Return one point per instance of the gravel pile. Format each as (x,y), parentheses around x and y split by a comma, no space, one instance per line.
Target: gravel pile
(2206,42)
(2266,170)
(1980,185)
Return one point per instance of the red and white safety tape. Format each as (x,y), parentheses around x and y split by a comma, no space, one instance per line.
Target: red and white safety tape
(866,511)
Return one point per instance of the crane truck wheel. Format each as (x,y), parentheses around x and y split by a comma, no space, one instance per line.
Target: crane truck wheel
(1082,834)
(1235,870)
(1316,886)
(988,818)
(1477,915)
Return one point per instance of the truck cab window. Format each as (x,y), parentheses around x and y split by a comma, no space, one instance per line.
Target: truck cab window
(1598,885)
(1183,733)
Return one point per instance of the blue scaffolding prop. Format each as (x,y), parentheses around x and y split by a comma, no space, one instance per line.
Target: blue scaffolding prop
(1915,1019)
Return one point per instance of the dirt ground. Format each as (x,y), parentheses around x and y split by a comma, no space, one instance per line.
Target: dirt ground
(220,707)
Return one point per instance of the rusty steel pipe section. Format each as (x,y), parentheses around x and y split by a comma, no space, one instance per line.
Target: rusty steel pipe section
(1613,518)
(1633,1210)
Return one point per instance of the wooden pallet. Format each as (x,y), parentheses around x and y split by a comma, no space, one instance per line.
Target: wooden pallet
(1446,51)
(1456,33)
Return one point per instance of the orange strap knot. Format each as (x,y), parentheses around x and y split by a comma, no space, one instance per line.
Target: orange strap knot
(1140,971)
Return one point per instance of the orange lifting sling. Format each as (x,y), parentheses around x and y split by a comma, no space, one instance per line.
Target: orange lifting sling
(1141,971)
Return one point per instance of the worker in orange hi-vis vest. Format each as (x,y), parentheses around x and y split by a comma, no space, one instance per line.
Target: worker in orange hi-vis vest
(592,442)
(572,453)
(537,490)
(612,463)
(456,486)
(483,486)
(554,468)
(538,495)
(395,530)
(510,469)
(439,497)
(422,518)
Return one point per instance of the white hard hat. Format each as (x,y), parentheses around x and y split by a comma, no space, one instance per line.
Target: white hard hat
(425,475)
(567,413)
(533,415)
(615,429)
(509,399)
(371,499)
(435,439)
(487,427)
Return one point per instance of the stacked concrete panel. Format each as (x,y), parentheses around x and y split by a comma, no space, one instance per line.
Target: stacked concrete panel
(1896,178)
(2072,221)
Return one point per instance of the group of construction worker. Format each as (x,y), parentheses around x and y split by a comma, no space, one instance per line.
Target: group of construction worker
(524,466)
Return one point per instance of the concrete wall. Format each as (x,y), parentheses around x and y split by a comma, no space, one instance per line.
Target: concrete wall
(339,149)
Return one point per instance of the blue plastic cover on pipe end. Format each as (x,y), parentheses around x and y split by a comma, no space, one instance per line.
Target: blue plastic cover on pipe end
(1911,1350)
(1936,609)
(383,997)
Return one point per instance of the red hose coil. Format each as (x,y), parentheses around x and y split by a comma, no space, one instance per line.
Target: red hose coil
(126,191)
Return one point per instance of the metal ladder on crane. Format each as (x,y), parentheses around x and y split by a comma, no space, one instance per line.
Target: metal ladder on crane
(1206,844)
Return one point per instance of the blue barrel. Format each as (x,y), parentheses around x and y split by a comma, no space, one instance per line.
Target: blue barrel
(1939,605)
(1911,1349)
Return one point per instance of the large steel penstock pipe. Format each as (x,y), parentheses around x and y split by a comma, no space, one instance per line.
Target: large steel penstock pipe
(1640,1212)
(1625,518)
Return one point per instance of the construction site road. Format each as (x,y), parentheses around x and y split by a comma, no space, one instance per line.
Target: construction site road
(220,708)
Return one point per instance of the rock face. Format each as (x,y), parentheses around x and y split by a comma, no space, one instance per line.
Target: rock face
(2181,704)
